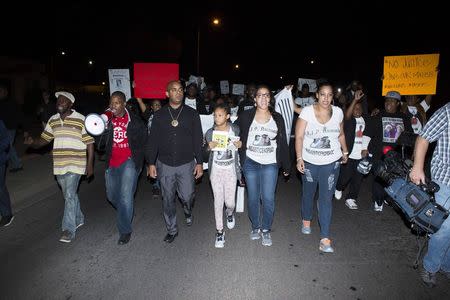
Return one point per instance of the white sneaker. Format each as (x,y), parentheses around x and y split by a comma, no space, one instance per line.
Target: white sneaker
(351,203)
(230,222)
(220,240)
(377,207)
(266,238)
(338,195)
(255,234)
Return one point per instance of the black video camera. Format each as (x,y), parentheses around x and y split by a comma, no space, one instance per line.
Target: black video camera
(416,201)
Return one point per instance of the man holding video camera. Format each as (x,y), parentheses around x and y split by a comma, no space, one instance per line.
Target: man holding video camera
(383,130)
(437,129)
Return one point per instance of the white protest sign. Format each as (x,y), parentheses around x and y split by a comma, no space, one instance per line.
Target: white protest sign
(119,80)
(199,81)
(238,89)
(311,82)
(285,106)
(224,87)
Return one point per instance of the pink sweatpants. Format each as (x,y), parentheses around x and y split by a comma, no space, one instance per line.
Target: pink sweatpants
(223,184)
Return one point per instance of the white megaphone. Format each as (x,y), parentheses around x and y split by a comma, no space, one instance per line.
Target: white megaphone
(96,124)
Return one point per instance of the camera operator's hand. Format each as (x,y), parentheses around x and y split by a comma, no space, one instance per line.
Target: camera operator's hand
(417,176)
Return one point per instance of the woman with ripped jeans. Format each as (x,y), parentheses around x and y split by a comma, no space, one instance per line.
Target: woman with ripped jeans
(319,138)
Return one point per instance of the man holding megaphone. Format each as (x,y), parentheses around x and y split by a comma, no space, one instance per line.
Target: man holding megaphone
(124,139)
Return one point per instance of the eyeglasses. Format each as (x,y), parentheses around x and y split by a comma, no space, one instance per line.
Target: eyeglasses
(267,95)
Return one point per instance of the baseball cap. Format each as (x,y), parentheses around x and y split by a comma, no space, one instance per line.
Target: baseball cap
(394,95)
(65,94)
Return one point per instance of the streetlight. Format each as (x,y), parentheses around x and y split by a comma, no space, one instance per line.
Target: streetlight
(215,22)
(90,62)
(236,66)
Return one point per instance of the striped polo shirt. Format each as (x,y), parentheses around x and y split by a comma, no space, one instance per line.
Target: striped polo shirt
(69,146)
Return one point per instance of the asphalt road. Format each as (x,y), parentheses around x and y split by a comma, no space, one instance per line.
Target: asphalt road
(374,253)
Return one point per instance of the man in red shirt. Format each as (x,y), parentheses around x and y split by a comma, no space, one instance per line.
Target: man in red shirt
(125,140)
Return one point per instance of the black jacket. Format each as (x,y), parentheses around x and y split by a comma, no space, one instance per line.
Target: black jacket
(375,130)
(245,120)
(246,104)
(137,138)
(349,130)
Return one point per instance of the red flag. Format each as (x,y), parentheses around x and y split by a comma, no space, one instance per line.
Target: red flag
(150,79)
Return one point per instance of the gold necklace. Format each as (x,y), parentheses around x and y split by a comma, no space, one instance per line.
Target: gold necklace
(174,122)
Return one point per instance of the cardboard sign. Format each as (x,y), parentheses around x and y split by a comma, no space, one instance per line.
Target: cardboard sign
(119,80)
(410,74)
(151,79)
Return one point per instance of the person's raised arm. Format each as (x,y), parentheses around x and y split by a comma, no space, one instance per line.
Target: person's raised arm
(349,111)
(142,105)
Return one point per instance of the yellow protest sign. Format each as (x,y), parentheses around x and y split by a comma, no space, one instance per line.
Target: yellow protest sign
(410,74)
(221,138)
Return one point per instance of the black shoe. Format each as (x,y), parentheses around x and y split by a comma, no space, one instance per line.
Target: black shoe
(14,170)
(156,192)
(170,237)
(6,221)
(124,239)
(66,236)
(428,278)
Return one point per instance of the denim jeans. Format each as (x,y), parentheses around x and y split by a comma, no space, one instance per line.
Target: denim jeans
(72,212)
(261,183)
(326,177)
(14,160)
(438,254)
(5,201)
(120,188)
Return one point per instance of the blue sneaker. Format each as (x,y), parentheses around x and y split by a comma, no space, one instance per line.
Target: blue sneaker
(325,247)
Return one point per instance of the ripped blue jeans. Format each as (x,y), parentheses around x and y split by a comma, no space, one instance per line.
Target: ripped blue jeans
(326,176)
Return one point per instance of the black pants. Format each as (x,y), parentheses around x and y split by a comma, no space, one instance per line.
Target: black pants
(349,173)
(378,192)
(5,201)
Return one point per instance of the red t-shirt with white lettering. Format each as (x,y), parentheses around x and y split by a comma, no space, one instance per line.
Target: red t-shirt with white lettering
(120,149)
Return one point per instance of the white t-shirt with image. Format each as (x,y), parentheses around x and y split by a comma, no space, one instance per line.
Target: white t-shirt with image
(357,144)
(261,142)
(321,141)
(225,159)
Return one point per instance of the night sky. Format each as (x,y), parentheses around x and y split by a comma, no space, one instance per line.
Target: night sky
(345,40)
